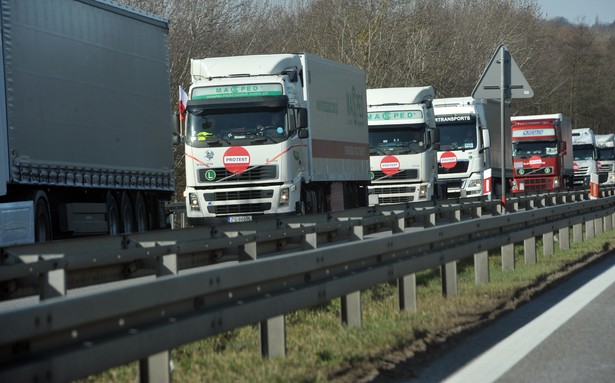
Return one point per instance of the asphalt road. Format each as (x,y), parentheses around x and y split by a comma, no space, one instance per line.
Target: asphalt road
(565,335)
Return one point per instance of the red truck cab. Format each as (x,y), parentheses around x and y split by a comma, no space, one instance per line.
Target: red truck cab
(542,153)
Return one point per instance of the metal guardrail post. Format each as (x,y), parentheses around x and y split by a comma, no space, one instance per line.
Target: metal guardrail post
(273,330)
(564,238)
(590,230)
(351,309)
(429,220)
(448,271)
(406,285)
(547,243)
(508,256)
(157,367)
(481,267)
(273,337)
(529,250)
(598,226)
(477,211)
(577,233)
(53,284)
(608,223)
(351,303)
(310,240)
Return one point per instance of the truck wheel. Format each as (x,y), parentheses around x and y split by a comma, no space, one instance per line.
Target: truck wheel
(113,215)
(309,201)
(141,214)
(127,214)
(42,219)
(321,201)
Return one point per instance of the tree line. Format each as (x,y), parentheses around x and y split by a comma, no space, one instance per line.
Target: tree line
(399,43)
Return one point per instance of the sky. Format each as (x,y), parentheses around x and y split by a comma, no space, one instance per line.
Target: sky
(575,10)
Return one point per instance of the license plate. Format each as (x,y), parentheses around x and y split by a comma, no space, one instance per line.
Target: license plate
(239,218)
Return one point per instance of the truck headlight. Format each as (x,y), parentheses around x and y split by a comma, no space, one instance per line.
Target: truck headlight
(194,202)
(555,182)
(284,196)
(474,184)
(423,191)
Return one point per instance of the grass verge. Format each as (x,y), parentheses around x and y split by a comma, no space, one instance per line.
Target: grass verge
(321,349)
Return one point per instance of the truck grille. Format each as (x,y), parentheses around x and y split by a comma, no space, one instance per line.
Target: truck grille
(581,170)
(537,184)
(395,199)
(235,195)
(259,173)
(460,167)
(453,189)
(408,174)
(393,190)
(247,208)
(604,168)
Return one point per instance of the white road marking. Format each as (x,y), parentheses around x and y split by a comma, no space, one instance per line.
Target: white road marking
(493,363)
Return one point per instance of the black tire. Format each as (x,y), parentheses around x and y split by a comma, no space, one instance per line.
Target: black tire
(42,218)
(114,223)
(127,214)
(141,214)
(321,200)
(310,202)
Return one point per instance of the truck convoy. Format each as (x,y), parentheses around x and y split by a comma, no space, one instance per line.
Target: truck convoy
(605,144)
(86,127)
(542,158)
(585,156)
(274,134)
(403,141)
(464,154)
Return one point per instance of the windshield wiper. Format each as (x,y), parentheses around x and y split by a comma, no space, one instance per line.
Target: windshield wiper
(216,140)
(262,140)
(377,151)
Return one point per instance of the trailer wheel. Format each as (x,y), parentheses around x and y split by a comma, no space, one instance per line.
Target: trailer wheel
(42,219)
(113,215)
(141,213)
(321,201)
(127,214)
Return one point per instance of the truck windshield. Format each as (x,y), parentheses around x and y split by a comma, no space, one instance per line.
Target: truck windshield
(526,149)
(606,154)
(225,128)
(457,136)
(396,139)
(583,152)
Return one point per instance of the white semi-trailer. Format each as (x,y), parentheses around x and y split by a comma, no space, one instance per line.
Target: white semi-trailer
(403,145)
(274,134)
(85,127)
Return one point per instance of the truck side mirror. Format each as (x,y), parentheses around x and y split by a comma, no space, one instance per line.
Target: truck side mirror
(176,130)
(435,136)
(303,119)
(564,148)
(486,138)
